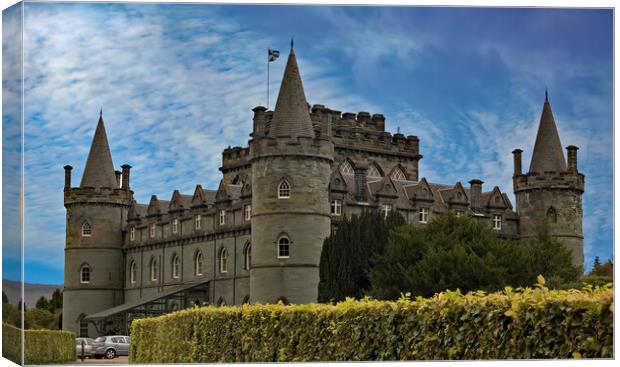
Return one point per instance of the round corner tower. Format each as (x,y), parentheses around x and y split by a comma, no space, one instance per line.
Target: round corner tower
(290,198)
(552,189)
(94,262)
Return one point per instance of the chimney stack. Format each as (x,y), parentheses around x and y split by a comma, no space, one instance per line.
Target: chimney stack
(572,158)
(259,121)
(517,159)
(68,169)
(125,183)
(475,192)
(361,193)
(118,178)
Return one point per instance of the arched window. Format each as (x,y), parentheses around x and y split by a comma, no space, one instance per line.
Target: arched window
(87,230)
(373,171)
(132,272)
(223,260)
(132,233)
(85,274)
(154,269)
(83,328)
(198,263)
(284,245)
(284,190)
(175,226)
(247,256)
(397,174)
(246,299)
(552,215)
(346,169)
(176,266)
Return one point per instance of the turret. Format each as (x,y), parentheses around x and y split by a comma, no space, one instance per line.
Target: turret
(94,236)
(290,176)
(551,190)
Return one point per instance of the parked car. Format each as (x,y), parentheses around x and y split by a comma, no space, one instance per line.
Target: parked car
(111,346)
(88,347)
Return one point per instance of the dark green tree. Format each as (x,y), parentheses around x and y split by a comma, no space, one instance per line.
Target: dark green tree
(347,254)
(55,302)
(42,303)
(5,299)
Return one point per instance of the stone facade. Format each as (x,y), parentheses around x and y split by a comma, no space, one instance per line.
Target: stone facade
(258,237)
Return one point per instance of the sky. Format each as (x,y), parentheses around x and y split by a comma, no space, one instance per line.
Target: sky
(177,83)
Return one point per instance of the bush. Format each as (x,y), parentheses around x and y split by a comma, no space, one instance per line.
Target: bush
(513,324)
(41,346)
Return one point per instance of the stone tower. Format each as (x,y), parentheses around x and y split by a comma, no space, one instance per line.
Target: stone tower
(552,189)
(290,198)
(96,211)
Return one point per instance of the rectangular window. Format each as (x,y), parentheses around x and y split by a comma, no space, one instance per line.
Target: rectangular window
(386,209)
(175,226)
(459,213)
(497,222)
(152,230)
(247,212)
(336,207)
(83,330)
(132,233)
(423,215)
(198,221)
(222,217)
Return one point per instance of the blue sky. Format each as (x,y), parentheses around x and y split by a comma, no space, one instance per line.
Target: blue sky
(177,84)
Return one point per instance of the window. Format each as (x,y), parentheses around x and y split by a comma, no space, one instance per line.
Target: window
(86,229)
(336,207)
(85,274)
(497,222)
(197,221)
(386,209)
(247,212)
(284,190)
(423,215)
(247,256)
(198,264)
(83,332)
(175,226)
(373,171)
(459,213)
(176,266)
(132,233)
(132,272)
(346,169)
(152,230)
(222,217)
(284,248)
(223,261)
(552,215)
(154,269)
(397,174)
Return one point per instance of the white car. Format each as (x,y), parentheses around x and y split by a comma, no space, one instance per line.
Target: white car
(111,346)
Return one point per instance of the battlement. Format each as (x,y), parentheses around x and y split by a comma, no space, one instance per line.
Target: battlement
(234,157)
(549,180)
(300,146)
(102,195)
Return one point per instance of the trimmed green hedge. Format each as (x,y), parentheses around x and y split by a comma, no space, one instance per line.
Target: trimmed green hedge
(41,346)
(514,324)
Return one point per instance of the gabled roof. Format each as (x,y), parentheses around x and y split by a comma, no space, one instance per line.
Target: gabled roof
(179,201)
(455,195)
(384,187)
(99,170)
(137,210)
(223,192)
(548,154)
(291,116)
(420,191)
(157,206)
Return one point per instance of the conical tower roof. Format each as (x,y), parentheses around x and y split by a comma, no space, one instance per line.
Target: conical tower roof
(99,171)
(548,154)
(291,116)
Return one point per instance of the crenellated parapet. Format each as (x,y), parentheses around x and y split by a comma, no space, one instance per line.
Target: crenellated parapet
(99,195)
(300,146)
(549,180)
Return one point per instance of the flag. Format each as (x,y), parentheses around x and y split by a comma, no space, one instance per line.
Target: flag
(272,55)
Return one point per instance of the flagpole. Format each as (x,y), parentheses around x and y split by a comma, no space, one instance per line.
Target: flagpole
(267,82)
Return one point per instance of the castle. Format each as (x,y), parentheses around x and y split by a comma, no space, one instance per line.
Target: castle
(258,237)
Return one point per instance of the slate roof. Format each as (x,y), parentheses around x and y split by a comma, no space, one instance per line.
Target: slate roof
(99,170)
(548,154)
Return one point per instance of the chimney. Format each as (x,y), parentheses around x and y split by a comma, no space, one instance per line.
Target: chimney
(572,158)
(68,169)
(259,121)
(125,183)
(475,191)
(379,120)
(118,178)
(517,159)
(361,186)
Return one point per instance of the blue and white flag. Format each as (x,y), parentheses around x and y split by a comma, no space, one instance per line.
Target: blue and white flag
(272,55)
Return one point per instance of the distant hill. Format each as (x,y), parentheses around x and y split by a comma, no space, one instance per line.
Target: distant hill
(32,292)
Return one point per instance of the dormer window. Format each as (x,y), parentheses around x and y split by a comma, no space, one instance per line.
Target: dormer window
(87,230)
(175,226)
(423,215)
(497,222)
(386,209)
(152,230)
(222,216)
(247,212)
(336,207)
(284,190)
(197,221)
(132,233)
